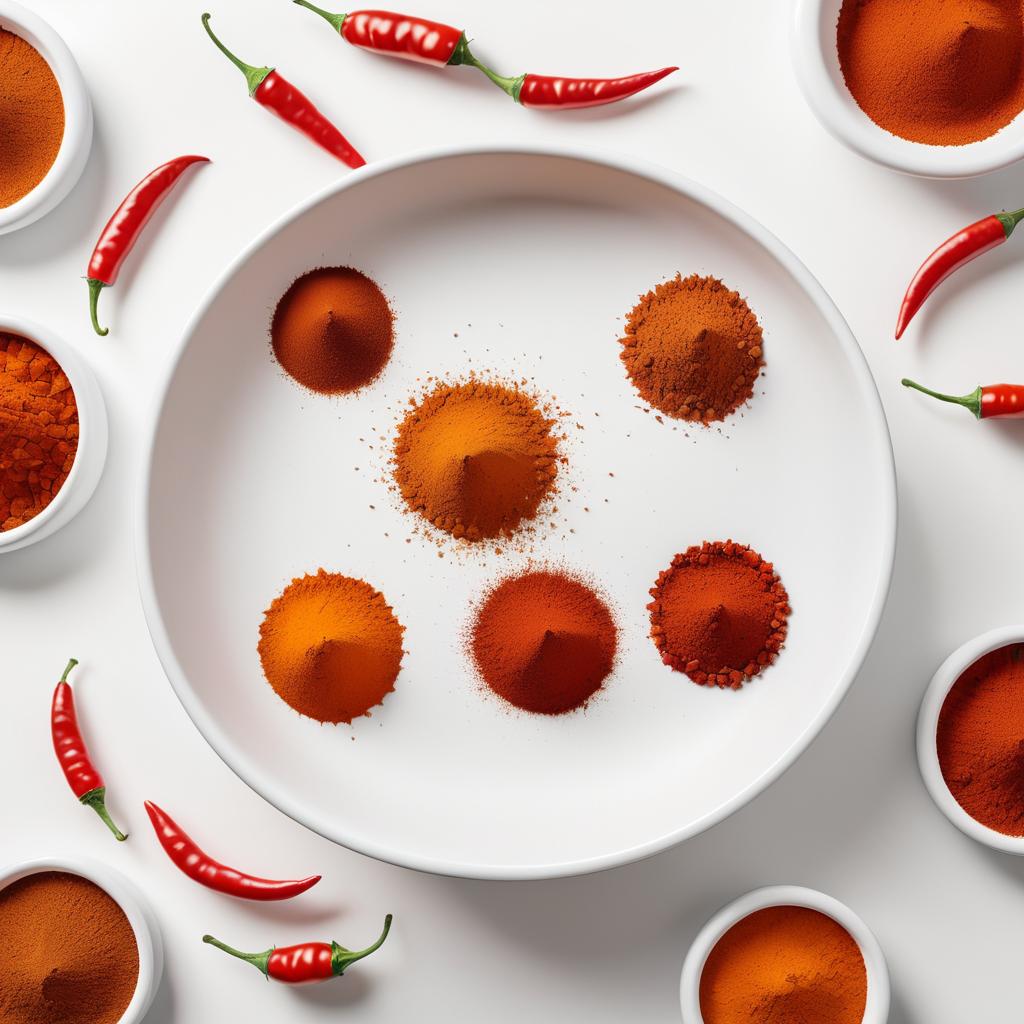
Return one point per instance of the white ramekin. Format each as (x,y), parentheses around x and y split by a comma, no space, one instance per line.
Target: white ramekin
(816,62)
(128,898)
(876,1011)
(927,727)
(74,148)
(92,438)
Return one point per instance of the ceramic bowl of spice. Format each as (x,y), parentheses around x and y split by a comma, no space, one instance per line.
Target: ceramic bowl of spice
(87,946)
(46,116)
(928,87)
(785,953)
(970,738)
(53,433)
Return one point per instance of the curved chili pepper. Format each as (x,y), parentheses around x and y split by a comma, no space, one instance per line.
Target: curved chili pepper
(85,782)
(127,223)
(203,869)
(398,35)
(961,248)
(431,42)
(280,97)
(308,962)
(986,403)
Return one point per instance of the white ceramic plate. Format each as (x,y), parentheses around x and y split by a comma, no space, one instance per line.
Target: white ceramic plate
(251,481)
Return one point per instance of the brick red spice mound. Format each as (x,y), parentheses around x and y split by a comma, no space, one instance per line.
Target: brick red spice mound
(719,613)
(476,459)
(333,330)
(693,349)
(544,641)
(980,740)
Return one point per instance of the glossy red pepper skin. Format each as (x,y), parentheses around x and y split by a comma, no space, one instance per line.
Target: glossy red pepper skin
(431,42)
(83,778)
(283,99)
(201,868)
(546,92)
(1002,401)
(306,963)
(397,35)
(127,224)
(959,249)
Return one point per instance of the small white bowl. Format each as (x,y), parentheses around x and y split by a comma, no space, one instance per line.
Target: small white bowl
(128,898)
(816,61)
(92,438)
(927,727)
(876,1010)
(74,148)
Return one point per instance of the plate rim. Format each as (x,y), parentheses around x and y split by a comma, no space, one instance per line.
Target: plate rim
(265,786)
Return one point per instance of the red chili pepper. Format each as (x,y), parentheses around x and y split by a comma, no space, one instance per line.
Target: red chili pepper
(127,223)
(201,868)
(1005,400)
(430,42)
(85,782)
(309,962)
(280,97)
(957,250)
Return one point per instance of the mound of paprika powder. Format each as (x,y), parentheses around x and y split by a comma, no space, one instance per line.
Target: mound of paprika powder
(544,641)
(693,349)
(719,613)
(331,646)
(476,458)
(333,330)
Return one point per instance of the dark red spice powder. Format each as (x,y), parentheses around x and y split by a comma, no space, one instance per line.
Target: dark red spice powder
(544,641)
(719,613)
(980,740)
(333,330)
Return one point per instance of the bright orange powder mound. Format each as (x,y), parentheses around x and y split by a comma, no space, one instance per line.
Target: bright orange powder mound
(784,965)
(476,459)
(941,72)
(331,646)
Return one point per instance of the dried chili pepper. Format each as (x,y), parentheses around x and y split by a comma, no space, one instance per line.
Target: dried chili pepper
(125,226)
(430,42)
(201,868)
(994,400)
(308,962)
(280,97)
(961,248)
(85,782)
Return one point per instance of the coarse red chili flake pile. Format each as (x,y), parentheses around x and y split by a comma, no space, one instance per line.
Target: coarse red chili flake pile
(719,613)
(38,430)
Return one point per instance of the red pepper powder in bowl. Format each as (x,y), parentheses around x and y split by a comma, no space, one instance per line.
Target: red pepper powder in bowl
(980,740)
(784,965)
(693,349)
(38,430)
(719,614)
(331,646)
(333,330)
(940,72)
(544,641)
(69,952)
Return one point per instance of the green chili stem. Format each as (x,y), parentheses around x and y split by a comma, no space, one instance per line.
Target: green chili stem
(971,401)
(96,799)
(258,960)
(71,664)
(253,76)
(95,287)
(1008,220)
(337,20)
(342,958)
(464,55)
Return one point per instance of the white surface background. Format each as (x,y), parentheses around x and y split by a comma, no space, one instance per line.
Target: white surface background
(852,816)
